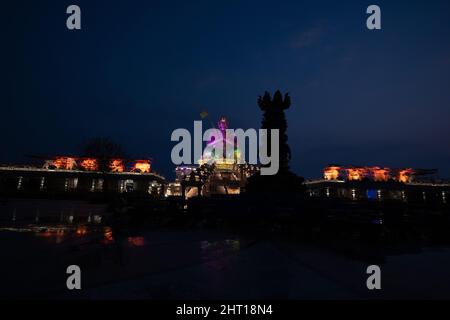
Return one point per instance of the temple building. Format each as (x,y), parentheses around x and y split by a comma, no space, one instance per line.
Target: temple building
(75,175)
(215,173)
(380,184)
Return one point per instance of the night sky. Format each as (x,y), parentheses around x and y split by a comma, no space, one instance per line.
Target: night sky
(140,69)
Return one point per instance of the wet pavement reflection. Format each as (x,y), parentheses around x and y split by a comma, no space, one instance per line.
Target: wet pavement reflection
(119,263)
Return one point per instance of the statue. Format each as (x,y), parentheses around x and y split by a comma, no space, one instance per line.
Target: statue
(274,118)
(284,181)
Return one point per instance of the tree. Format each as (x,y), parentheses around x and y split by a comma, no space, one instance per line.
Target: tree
(103,149)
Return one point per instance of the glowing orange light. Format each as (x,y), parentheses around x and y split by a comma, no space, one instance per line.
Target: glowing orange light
(356,174)
(142,166)
(45,234)
(116,165)
(89,164)
(405,175)
(53,232)
(380,174)
(331,173)
(108,236)
(81,231)
(65,163)
(136,241)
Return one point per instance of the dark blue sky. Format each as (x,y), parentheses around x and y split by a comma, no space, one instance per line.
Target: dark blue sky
(139,69)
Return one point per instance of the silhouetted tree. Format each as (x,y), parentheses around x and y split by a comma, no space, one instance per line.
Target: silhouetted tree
(104,149)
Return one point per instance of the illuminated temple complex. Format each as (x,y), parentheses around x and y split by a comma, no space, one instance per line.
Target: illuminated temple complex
(380,184)
(65,174)
(215,174)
